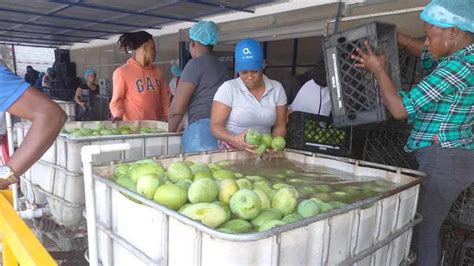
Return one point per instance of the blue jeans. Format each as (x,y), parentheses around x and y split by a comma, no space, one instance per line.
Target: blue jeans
(198,137)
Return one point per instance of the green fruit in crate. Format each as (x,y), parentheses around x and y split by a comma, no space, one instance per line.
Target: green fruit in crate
(179,171)
(201,175)
(189,163)
(121,170)
(341,196)
(323,196)
(263,185)
(291,218)
(185,184)
(266,203)
(137,170)
(323,188)
(227,188)
(368,193)
(210,214)
(225,163)
(308,208)
(337,204)
(223,174)
(236,226)
(285,200)
(278,143)
(106,132)
(267,215)
(171,195)
(244,183)
(214,167)
(127,183)
(270,224)
(307,189)
(226,208)
(147,185)
(253,137)
(261,149)
(239,175)
(203,191)
(199,167)
(352,190)
(267,139)
(323,206)
(255,178)
(77,134)
(245,204)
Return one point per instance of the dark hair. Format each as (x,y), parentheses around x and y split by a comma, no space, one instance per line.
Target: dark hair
(133,40)
(316,73)
(29,67)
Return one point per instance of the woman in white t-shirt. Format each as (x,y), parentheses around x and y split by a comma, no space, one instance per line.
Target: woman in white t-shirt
(250,101)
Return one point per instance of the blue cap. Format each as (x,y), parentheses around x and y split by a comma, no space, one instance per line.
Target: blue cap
(248,55)
(89,72)
(176,71)
(204,32)
(448,14)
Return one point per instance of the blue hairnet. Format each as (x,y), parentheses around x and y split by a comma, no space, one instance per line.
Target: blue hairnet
(205,32)
(176,71)
(89,72)
(447,14)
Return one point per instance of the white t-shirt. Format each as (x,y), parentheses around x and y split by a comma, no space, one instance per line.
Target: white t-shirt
(248,112)
(173,85)
(310,97)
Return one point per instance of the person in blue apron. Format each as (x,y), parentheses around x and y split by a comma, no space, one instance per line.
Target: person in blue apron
(201,78)
(85,96)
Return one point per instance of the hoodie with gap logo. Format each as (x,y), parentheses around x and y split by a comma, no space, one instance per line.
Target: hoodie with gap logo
(139,93)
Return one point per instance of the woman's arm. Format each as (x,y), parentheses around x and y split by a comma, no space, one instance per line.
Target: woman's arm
(376,64)
(219,115)
(47,119)
(118,95)
(178,106)
(412,45)
(279,128)
(77,97)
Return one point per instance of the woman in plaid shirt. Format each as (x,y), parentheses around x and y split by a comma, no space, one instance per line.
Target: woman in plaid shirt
(441,108)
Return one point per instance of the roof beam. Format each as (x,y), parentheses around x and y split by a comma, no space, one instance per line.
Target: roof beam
(121,10)
(2,39)
(75,18)
(50,34)
(36,45)
(56,26)
(40,38)
(205,3)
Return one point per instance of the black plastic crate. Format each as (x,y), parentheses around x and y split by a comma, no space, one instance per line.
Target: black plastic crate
(410,68)
(315,133)
(354,91)
(452,241)
(385,142)
(466,258)
(462,210)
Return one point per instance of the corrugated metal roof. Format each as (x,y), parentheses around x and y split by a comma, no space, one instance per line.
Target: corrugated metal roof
(64,22)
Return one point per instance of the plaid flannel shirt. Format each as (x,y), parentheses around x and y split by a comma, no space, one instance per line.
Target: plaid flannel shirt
(442,105)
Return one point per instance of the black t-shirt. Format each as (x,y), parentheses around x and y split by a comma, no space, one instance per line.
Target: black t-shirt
(88,94)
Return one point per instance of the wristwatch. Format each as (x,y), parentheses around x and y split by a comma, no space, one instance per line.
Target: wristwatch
(6,173)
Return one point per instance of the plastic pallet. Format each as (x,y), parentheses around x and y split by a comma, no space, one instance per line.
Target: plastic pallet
(354,91)
(315,133)
(462,211)
(466,258)
(385,144)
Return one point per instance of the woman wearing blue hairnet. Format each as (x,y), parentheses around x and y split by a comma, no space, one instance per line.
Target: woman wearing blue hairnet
(441,108)
(85,96)
(201,78)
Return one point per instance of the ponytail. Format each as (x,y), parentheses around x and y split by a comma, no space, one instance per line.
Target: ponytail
(133,40)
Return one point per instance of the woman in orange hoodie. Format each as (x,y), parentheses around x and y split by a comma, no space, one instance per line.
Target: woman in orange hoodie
(139,88)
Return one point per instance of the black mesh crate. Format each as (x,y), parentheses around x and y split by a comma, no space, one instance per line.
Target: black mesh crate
(315,133)
(466,258)
(354,91)
(385,142)
(462,211)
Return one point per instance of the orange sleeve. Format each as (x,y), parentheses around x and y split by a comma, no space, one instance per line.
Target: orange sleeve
(165,99)
(118,94)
